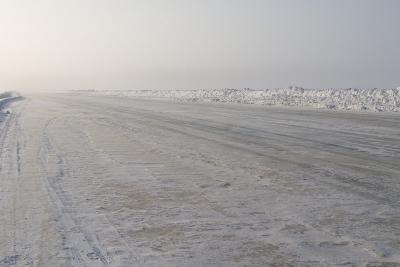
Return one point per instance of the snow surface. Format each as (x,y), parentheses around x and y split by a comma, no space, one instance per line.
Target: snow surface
(5,99)
(8,95)
(334,99)
(116,181)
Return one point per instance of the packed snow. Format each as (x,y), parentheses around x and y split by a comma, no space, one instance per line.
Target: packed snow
(151,182)
(334,99)
(117,181)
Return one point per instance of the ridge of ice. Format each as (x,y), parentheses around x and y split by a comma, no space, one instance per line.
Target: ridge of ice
(338,99)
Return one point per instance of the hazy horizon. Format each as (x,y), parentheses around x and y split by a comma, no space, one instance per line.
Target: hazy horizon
(188,44)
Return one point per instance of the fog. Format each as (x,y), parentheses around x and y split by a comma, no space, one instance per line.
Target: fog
(189,44)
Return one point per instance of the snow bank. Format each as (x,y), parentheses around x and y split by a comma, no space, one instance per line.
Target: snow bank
(7,97)
(338,99)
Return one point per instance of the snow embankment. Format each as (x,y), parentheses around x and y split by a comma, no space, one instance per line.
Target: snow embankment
(337,99)
(7,97)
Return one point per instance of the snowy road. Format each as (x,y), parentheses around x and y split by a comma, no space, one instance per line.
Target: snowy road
(92,181)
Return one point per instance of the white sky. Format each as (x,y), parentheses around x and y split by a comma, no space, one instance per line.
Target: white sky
(147,44)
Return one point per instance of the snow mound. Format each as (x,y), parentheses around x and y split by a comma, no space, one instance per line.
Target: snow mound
(336,99)
(8,95)
(5,98)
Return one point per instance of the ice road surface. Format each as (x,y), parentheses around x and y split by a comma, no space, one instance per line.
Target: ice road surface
(334,99)
(97,181)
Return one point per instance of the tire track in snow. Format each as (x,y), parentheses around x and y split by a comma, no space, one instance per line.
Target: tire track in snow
(85,246)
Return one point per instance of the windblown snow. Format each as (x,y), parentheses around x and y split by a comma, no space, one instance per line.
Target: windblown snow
(335,99)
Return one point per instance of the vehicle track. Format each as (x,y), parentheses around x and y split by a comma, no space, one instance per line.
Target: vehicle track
(120,182)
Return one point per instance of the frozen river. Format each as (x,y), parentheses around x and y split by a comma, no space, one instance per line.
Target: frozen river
(93,181)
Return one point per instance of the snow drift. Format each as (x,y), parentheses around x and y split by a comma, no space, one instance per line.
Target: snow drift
(337,99)
(7,97)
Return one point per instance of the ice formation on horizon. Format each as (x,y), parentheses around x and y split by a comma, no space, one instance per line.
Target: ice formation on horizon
(338,99)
